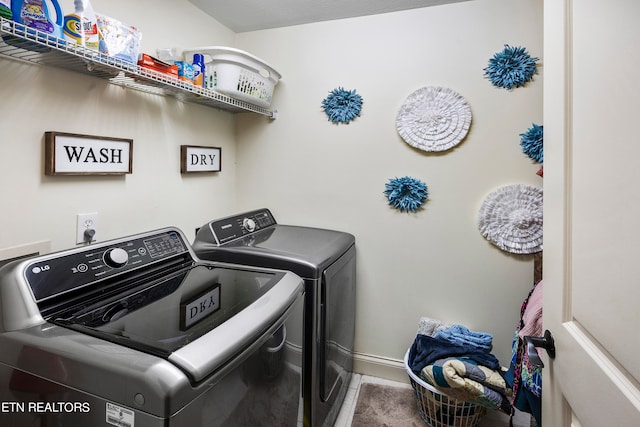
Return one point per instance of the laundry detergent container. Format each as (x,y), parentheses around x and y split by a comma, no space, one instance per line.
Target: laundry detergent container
(237,73)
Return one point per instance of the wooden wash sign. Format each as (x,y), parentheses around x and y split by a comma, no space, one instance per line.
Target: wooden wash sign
(75,154)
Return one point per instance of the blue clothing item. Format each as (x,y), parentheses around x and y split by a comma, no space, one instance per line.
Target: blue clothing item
(524,399)
(458,334)
(425,350)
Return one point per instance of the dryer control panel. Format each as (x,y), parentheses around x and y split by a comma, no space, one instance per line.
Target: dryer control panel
(230,228)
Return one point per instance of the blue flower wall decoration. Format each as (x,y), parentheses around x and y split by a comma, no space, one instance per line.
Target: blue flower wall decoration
(406,193)
(342,106)
(532,143)
(512,67)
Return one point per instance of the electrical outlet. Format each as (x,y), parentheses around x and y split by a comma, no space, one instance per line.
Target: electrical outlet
(87,226)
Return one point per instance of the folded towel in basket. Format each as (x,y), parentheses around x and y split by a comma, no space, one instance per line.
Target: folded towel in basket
(425,350)
(463,379)
(428,326)
(459,334)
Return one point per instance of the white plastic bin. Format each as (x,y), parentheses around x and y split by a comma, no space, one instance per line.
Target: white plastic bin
(237,74)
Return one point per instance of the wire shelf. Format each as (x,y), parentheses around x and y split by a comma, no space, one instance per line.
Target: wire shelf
(30,45)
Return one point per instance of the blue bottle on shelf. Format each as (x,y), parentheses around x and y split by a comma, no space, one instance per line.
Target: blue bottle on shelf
(198,60)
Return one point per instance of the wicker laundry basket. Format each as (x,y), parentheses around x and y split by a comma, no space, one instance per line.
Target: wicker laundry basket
(439,410)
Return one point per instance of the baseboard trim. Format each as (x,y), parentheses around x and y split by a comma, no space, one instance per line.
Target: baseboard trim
(381,367)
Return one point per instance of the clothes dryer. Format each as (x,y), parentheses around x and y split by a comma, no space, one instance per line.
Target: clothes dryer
(326,260)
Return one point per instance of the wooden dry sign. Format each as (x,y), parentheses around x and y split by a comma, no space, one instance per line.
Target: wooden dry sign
(200,159)
(74,154)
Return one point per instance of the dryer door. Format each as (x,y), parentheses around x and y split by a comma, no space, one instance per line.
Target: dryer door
(337,324)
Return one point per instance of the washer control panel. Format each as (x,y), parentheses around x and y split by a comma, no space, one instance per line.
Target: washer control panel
(59,273)
(230,228)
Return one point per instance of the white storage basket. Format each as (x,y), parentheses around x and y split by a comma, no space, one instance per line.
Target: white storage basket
(237,74)
(439,410)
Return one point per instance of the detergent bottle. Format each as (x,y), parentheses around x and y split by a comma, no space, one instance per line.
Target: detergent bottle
(35,14)
(199,74)
(81,27)
(5,9)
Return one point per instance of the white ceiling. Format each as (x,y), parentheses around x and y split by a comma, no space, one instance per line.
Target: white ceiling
(250,15)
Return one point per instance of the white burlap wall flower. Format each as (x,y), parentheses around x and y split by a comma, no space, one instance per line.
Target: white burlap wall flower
(434,118)
(511,218)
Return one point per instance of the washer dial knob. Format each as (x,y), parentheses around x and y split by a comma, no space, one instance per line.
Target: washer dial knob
(248,224)
(116,257)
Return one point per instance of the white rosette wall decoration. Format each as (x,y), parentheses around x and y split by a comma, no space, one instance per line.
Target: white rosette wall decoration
(511,218)
(434,118)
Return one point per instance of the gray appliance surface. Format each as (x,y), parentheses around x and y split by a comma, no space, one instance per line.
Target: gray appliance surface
(254,238)
(325,259)
(139,332)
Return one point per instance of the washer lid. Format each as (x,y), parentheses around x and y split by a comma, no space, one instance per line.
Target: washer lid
(198,320)
(219,346)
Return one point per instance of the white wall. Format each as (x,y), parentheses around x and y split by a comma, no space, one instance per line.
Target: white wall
(36,99)
(309,171)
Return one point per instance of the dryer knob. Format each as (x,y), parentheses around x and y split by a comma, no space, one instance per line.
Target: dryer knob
(249,225)
(116,257)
